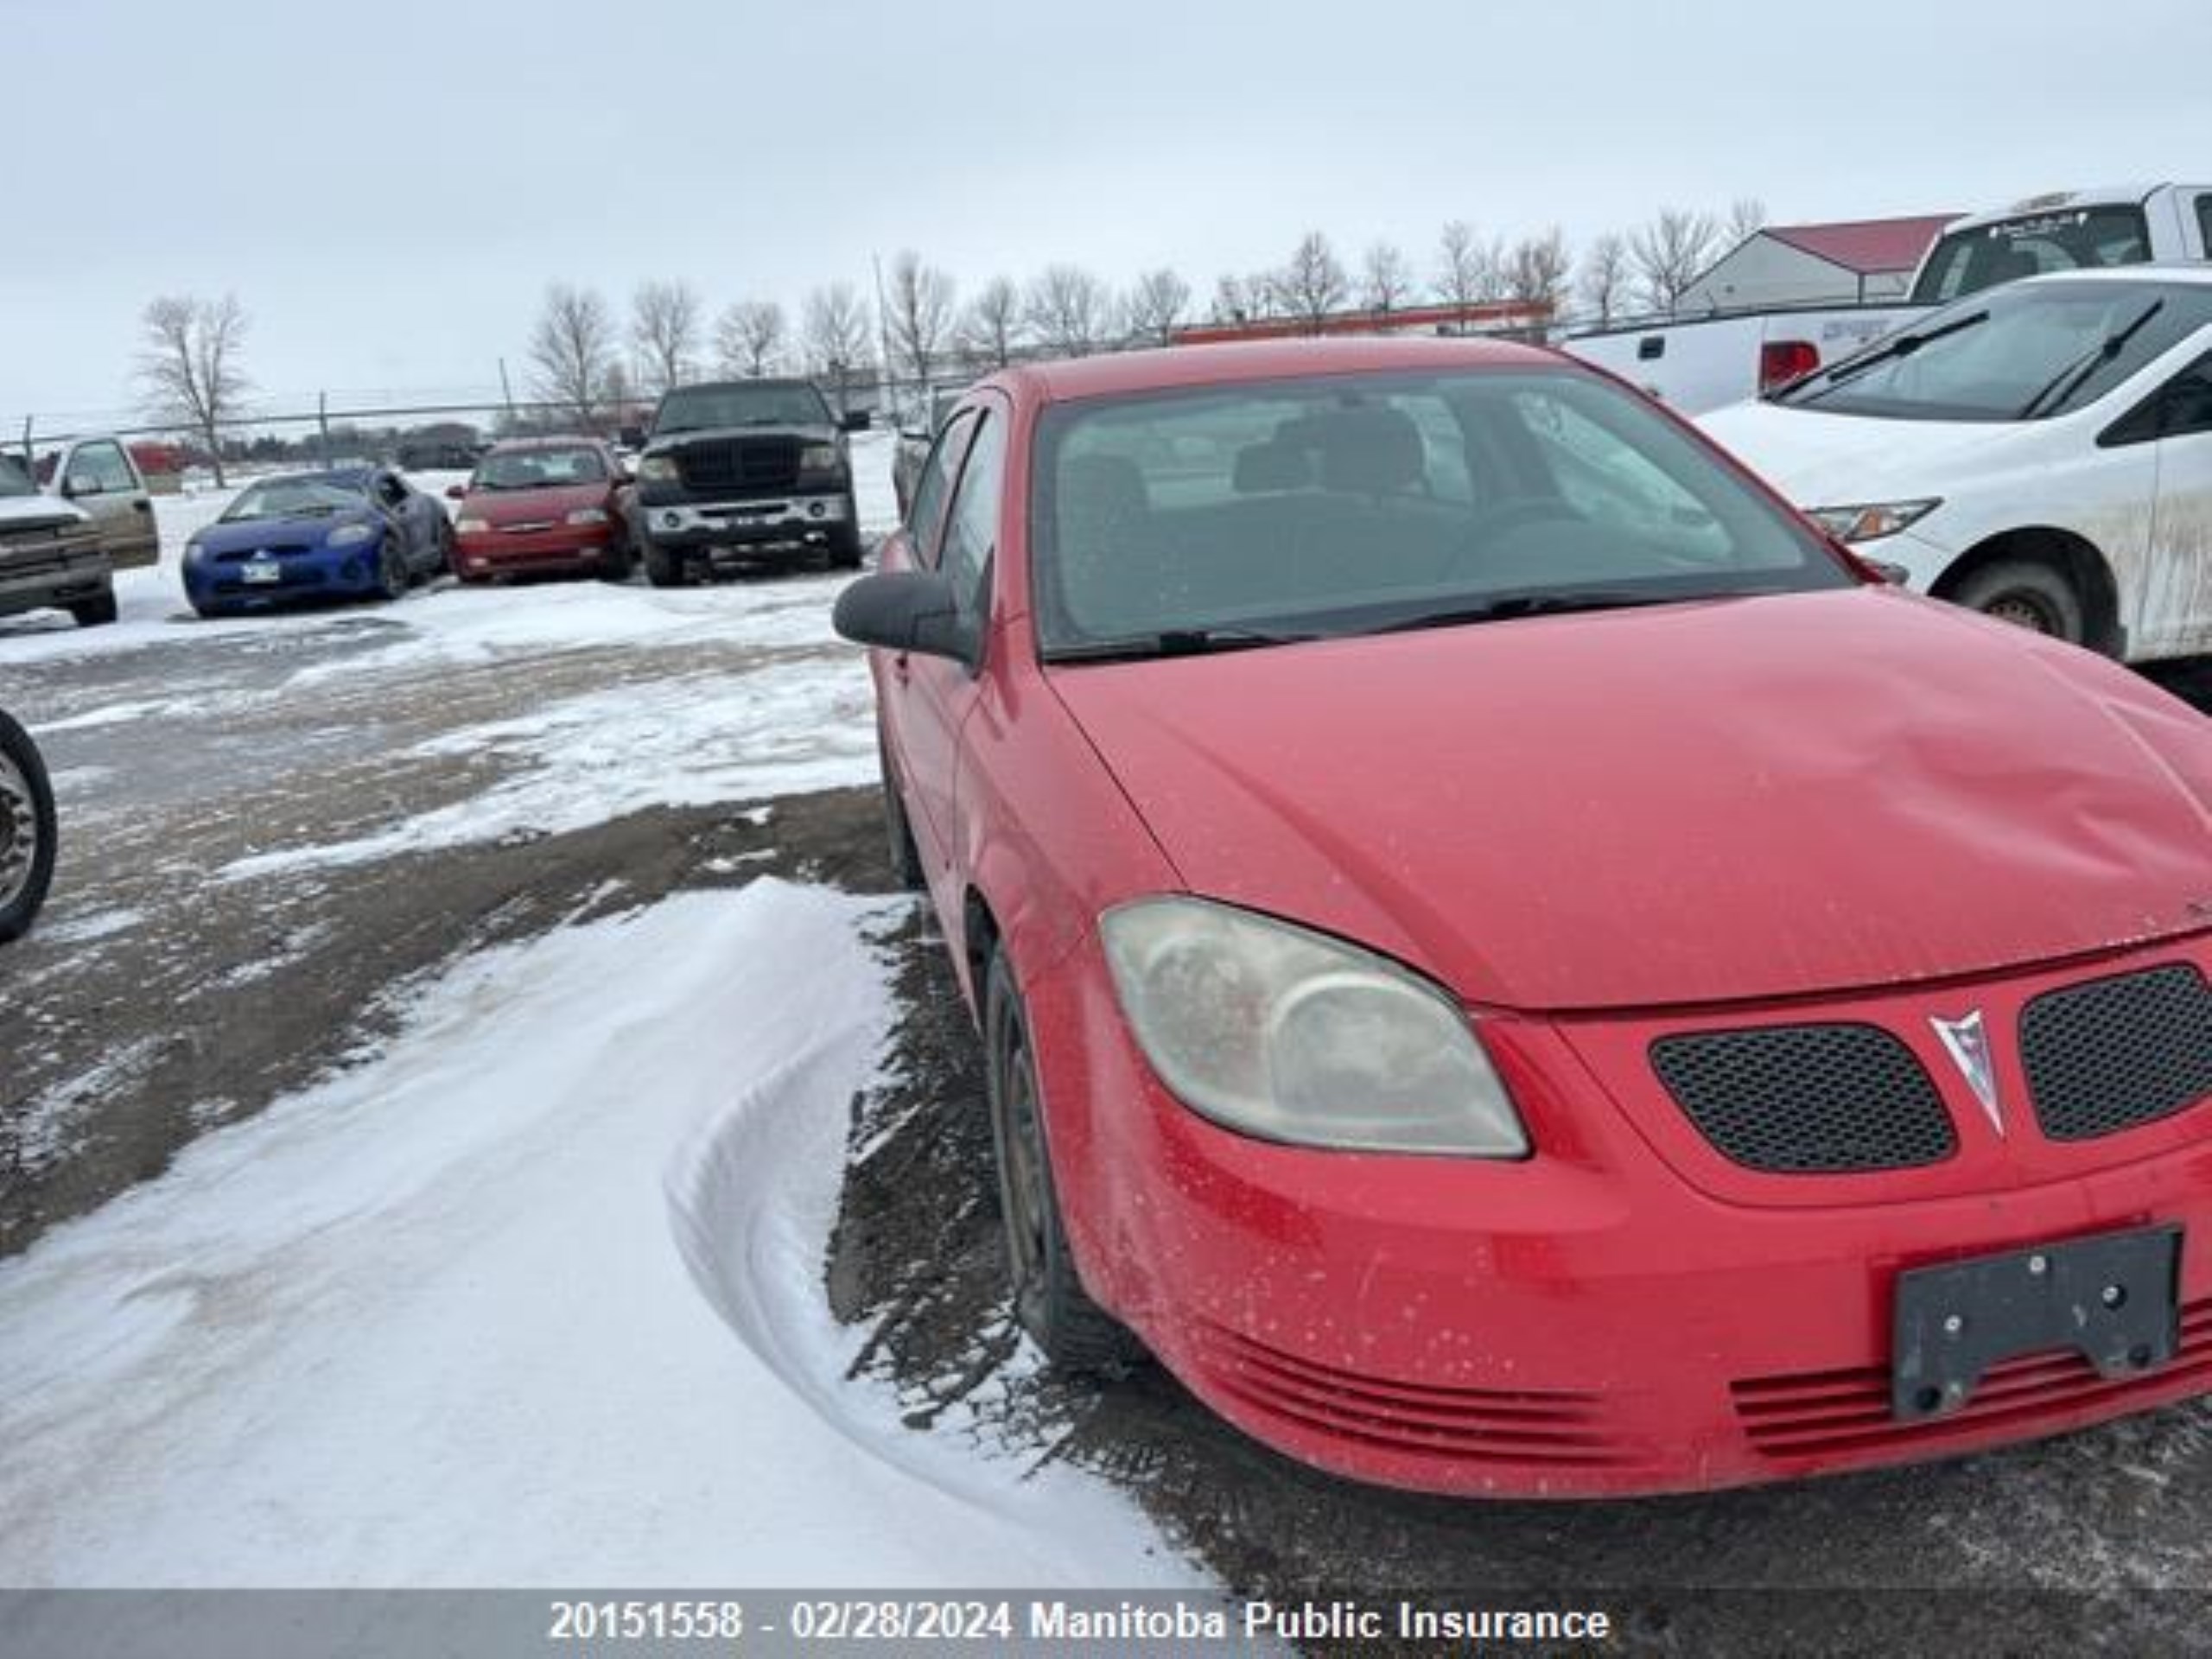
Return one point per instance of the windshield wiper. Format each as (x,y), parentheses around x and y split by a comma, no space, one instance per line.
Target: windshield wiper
(1563,602)
(1851,368)
(1176,642)
(2069,380)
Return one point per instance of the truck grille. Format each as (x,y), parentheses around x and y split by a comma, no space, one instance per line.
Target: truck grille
(1805,1100)
(2116,1053)
(743,466)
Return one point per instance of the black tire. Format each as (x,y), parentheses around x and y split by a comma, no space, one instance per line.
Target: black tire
(618,563)
(845,544)
(26,830)
(1073,1332)
(442,553)
(899,833)
(393,575)
(664,567)
(95,613)
(2029,593)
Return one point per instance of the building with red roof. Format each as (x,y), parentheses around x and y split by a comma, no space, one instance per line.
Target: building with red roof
(1853,260)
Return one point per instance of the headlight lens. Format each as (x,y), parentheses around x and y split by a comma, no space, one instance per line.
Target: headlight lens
(588,516)
(818,458)
(1870,522)
(466,526)
(1288,1035)
(351,535)
(194,551)
(660,469)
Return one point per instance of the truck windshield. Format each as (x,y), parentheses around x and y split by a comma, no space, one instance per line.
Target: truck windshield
(2075,239)
(699,408)
(14,480)
(2020,354)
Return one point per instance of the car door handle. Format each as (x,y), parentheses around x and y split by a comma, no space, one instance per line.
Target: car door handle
(142,505)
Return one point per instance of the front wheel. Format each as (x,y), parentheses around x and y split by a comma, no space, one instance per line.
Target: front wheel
(2028,592)
(663,568)
(95,613)
(845,544)
(26,830)
(392,576)
(898,832)
(1050,1302)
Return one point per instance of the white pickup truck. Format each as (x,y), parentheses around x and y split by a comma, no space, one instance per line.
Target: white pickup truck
(1696,364)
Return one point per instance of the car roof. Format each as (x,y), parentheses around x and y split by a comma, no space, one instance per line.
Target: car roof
(1173,367)
(548,441)
(2060,201)
(320,475)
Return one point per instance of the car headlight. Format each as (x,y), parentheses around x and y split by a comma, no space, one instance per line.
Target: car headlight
(1283,1033)
(1872,522)
(351,535)
(588,516)
(658,469)
(194,551)
(818,458)
(466,526)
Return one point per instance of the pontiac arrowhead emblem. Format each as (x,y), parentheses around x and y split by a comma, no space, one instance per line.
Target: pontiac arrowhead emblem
(1967,1041)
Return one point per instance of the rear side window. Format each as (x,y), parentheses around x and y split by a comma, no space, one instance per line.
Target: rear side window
(2078,238)
(925,512)
(971,529)
(101,467)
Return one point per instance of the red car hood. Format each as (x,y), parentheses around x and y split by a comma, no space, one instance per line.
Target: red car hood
(500,508)
(1701,803)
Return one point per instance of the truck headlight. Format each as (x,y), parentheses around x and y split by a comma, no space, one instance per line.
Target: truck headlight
(818,458)
(657,469)
(1870,522)
(1285,1034)
(351,535)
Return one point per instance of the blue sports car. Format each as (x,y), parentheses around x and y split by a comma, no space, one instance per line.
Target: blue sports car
(352,533)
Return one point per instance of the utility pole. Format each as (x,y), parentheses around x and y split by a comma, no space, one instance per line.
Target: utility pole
(323,423)
(882,330)
(506,393)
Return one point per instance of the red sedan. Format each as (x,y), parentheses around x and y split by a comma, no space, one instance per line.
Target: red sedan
(1511,964)
(544,504)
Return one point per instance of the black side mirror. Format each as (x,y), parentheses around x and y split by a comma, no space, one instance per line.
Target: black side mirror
(906,610)
(854,420)
(632,437)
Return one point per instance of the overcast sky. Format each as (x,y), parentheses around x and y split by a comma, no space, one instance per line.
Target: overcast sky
(388,189)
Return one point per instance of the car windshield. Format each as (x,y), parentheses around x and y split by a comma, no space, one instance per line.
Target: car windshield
(296,498)
(771,403)
(1345,505)
(2020,353)
(14,480)
(2076,238)
(539,469)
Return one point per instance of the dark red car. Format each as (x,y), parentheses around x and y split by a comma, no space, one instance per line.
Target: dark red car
(1509,962)
(544,504)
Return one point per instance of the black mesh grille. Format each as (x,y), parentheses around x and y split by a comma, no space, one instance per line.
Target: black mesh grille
(742,464)
(2114,1054)
(1801,1100)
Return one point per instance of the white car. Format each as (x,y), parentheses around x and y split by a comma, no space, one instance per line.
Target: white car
(2042,452)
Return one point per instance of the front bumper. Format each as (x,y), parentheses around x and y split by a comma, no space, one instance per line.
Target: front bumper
(1611,1317)
(31,581)
(557,547)
(220,583)
(740,527)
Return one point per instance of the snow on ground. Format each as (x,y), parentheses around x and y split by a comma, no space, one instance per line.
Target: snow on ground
(533,1297)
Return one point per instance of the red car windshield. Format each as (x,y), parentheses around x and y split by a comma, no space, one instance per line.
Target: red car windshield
(539,469)
(1357,503)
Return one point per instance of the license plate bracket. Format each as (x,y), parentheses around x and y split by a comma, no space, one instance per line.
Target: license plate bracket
(2115,1299)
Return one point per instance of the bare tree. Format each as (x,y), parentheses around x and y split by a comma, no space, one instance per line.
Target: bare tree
(189,366)
(1602,285)
(665,319)
(749,337)
(990,332)
(1313,284)
(1233,300)
(1669,250)
(921,305)
(571,351)
(1386,281)
(1155,305)
(1535,272)
(836,329)
(1069,311)
(1746,218)
(1466,266)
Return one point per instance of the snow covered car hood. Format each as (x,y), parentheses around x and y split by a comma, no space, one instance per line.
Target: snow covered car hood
(1695,804)
(36,513)
(1819,460)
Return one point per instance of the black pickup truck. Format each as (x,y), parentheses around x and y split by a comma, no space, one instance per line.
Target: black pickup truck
(746,473)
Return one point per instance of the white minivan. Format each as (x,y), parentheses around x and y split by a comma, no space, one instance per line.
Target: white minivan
(2042,452)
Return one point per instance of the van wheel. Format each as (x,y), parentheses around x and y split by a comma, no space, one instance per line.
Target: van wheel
(26,830)
(2029,594)
(1050,1304)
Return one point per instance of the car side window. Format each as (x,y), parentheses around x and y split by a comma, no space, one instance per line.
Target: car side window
(2189,402)
(925,512)
(390,489)
(99,467)
(971,529)
(2204,222)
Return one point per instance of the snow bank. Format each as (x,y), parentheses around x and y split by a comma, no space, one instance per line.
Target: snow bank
(428,1323)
